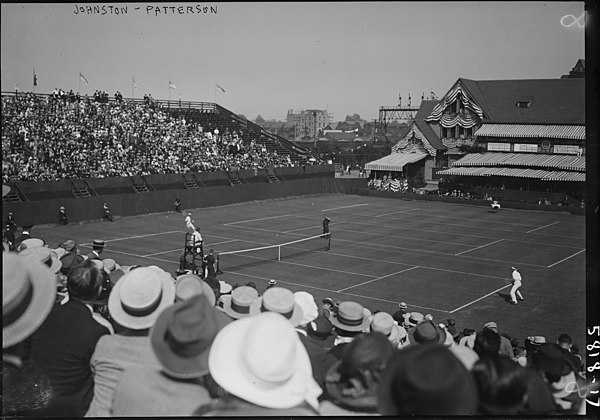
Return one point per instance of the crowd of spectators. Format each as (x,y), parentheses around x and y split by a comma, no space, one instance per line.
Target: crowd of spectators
(61,136)
(83,335)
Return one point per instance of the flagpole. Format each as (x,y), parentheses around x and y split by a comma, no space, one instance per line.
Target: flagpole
(132,96)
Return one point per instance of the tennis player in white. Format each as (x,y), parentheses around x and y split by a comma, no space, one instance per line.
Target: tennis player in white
(189,223)
(516,285)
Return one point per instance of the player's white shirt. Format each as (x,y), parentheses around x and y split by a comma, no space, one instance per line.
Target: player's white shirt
(516,276)
(188,223)
(196,237)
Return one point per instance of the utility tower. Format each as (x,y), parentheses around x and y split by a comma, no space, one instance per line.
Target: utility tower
(399,113)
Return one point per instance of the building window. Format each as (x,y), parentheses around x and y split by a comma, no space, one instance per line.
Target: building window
(498,147)
(566,149)
(523,104)
(526,147)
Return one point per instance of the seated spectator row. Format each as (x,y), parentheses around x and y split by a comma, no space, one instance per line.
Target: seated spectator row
(85,336)
(45,138)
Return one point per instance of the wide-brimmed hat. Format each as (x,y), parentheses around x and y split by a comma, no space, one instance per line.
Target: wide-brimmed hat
(28,294)
(98,243)
(109,265)
(413,318)
(189,285)
(403,305)
(69,245)
(59,252)
(427,333)
(43,255)
(237,305)
(280,300)
(309,307)
(31,243)
(551,358)
(139,297)
(262,360)
(426,380)
(383,323)
(224,287)
(350,316)
(183,334)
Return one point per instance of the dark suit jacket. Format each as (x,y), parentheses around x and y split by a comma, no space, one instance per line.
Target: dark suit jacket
(21,238)
(63,347)
(320,360)
(92,256)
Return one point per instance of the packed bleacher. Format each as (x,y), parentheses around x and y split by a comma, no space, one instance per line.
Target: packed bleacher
(64,136)
(85,336)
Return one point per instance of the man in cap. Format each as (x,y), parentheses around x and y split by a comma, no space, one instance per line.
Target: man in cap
(399,314)
(97,248)
(106,214)
(516,285)
(62,216)
(10,229)
(326,221)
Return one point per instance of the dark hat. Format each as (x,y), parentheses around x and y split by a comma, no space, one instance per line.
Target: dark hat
(69,245)
(319,328)
(328,301)
(183,334)
(98,242)
(426,380)
(69,262)
(350,316)
(551,358)
(427,333)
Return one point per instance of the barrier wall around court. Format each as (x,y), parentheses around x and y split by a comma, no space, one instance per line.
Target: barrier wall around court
(483,203)
(130,203)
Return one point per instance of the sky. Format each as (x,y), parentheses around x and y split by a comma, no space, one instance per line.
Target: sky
(346,57)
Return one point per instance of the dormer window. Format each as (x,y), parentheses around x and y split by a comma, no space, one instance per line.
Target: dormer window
(524,102)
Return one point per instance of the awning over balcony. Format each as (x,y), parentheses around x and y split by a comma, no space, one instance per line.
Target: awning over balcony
(544,175)
(531,160)
(395,161)
(572,132)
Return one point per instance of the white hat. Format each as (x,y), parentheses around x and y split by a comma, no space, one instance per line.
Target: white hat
(280,300)
(43,255)
(308,305)
(31,243)
(262,360)
(188,285)
(224,287)
(139,297)
(28,294)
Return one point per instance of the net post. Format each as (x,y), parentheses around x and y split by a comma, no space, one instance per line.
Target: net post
(279,253)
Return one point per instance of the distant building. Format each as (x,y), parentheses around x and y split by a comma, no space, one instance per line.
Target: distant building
(308,122)
(577,72)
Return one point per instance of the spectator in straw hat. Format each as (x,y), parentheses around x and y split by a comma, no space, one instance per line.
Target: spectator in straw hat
(411,319)
(264,367)
(399,314)
(181,339)
(272,283)
(134,304)
(31,243)
(280,300)
(351,384)
(97,248)
(189,285)
(237,305)
(383,323)
(349,321)
(28,293)
(62,216)
(71,332)
(426,381)
(43,255)
(113,269)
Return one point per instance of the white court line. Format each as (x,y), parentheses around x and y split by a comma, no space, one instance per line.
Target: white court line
(395,302)
(347,207)
(179,249)
(396,212)
(477,300)
(533,230)
(378,278)
(256,220)
(565,259)
(140,236)
(311,227)
(482,246)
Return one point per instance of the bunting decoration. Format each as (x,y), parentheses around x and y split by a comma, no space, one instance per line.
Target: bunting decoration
(172,85)
(457,93)
(220,88)
(83,79)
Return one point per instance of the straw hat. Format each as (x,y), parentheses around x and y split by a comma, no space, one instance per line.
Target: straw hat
(43,255)
(140,296)
(413,318)
(69,245)
(31,243)
(383,323)
(350,316)
(189,285)
(59,252)
(109,265)
(309,307)
(280,300)
(262,360)
(237,305)
(224,288)
(28,294)
(182,336)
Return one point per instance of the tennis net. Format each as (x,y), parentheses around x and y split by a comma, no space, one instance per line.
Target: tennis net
(254,256)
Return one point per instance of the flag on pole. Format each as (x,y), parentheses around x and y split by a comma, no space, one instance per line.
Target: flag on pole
(34,78)
(171,85)
(135,85)
(83,79)
(220,88)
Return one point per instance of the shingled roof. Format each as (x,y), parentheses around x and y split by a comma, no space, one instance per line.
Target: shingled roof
(552,101)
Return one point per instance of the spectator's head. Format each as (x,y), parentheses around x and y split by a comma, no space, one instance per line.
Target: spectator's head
(502,385)
(189,285)
(261,360)
(551,360)
(98,245)
(28,294)
(427,333)
(85,281)
(487,343)
(352,382)
(69,262)
(350,318)
(139,297)
(183,334)
(491,325)
(412,319)
(426,380)
(320,328)
(252,284)
(403,306)
(309,307)
(69,246)
(280,300)
(383,323)
(237,305)
(565,341)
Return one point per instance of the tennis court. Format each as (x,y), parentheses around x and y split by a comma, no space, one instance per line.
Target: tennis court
(449,260)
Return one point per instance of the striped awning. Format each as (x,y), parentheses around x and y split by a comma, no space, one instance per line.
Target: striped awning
(572,132)
(395,161)
(516,172)
(531,160)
